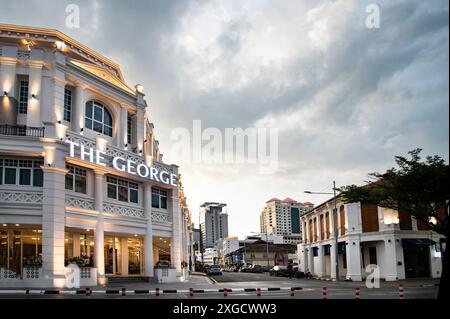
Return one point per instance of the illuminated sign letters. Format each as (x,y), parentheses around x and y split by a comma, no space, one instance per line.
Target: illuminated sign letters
(123,164)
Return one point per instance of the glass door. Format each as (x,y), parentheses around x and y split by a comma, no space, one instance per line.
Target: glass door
(112,255)
(135,261)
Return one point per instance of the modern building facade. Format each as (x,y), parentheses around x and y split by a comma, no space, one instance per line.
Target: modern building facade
(213,224)
(399,245)
(282,217)
(81,173)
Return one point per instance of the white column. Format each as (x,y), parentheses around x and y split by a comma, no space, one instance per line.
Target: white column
(302,257)
(148,241)
(310,260)
(76,244)
(8,85)
(319,228)
(140,129)
(175,250)
(308,234)
(99,232)
(321,271)
(34,87)
(78,106)
(124,256)
(333,246)
(122,127)
(353,250)
(390,259)
(53,224)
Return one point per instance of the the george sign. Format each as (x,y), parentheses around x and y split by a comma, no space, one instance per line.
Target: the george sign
(97,156)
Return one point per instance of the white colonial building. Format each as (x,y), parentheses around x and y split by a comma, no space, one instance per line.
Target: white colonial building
(398,244)
(81,174)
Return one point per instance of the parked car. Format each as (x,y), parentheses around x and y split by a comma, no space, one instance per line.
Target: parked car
(278,271)
(215,270)
(206,269)
(257,269)
(245,268)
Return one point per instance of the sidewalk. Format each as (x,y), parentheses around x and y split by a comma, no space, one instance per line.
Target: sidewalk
(196,281)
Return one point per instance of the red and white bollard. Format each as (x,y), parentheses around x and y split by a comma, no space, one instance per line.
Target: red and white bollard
(324,292)
(357,293)
(292,292)
(258,292)
(191,292)
(400,291)
(157,292)
(124,292)
(225,292)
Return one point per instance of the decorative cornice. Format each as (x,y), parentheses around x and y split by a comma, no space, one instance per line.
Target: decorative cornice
(29,32)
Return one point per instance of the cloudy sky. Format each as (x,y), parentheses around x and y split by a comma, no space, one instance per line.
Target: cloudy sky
(345,98)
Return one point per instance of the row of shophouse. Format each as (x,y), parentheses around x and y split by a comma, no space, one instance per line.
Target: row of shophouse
(349,240)
(345,240)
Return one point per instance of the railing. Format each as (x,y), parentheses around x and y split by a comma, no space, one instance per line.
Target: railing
(21,130)
(121,210)
(72,200)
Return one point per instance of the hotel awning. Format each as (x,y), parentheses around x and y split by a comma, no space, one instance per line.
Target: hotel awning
(408,242)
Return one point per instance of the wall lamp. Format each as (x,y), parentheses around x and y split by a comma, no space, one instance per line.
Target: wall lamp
(59,122)
(126,145)
(33,96)
(82,129)
(5,93)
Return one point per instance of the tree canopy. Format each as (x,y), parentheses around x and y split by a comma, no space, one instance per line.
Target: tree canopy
(419,187)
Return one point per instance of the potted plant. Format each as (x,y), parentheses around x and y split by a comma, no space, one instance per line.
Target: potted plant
(162,264)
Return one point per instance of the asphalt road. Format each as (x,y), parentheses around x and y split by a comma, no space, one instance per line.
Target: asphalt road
(246,277)
(241,283)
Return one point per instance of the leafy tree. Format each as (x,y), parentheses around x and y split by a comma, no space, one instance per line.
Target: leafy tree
(420,188)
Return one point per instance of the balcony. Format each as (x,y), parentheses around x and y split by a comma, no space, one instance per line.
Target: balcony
(21,130)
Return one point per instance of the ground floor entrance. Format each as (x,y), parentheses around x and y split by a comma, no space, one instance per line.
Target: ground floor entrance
(417,261)
(123,253)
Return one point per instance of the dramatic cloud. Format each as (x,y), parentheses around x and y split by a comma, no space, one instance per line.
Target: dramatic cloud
(345,98)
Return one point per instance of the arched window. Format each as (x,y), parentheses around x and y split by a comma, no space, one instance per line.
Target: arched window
(98,118)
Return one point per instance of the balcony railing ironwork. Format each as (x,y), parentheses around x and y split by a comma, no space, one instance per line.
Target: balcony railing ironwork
(21,130)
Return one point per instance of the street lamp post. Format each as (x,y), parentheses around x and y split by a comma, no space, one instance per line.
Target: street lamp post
(335,228)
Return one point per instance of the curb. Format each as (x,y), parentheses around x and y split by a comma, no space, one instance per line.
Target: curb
(123,291)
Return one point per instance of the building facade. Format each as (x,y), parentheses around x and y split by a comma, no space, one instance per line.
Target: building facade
(399,245)
(213,224)
(210,256)
(81,173)
(282,217)
(259,252)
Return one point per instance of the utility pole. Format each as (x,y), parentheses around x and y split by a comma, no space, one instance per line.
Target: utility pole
(335,225)
(335,219)
(267,250)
